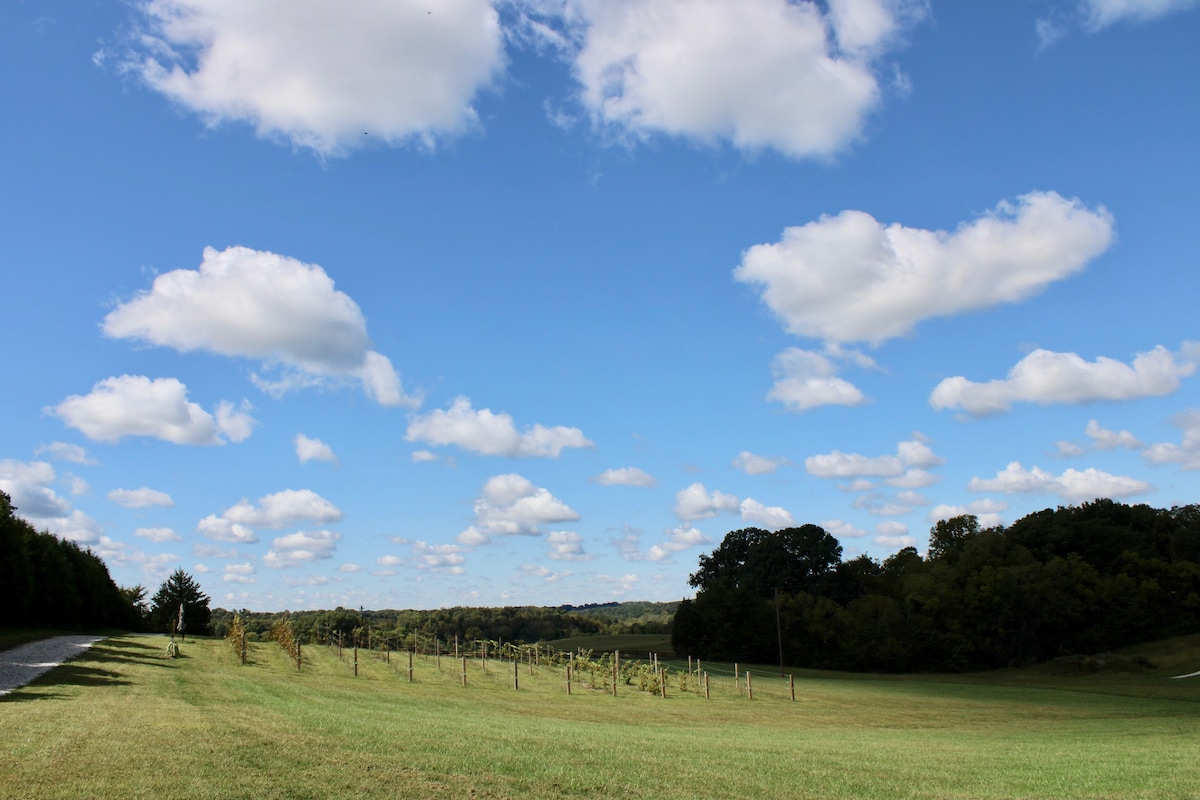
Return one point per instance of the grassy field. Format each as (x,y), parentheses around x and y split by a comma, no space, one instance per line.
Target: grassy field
(125,722)
(625,642)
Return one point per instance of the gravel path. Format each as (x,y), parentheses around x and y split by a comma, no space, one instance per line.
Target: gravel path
(22,664)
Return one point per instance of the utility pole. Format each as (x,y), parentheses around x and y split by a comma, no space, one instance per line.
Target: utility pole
(779,631)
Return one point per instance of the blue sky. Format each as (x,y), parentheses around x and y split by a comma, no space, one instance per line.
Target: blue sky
(415,304)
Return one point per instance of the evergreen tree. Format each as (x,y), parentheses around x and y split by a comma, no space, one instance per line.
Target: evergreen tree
(180,589)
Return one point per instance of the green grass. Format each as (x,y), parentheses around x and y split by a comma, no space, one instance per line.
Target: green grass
(124,722)
(625,642)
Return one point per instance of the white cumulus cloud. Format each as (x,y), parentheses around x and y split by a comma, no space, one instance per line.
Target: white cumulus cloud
(752,464)
(795,77)
(1187,453)
(284,508)
(484,432)
(772,518)
(1072,485)
(566,546)
(301,547)
(806,379)
(696,502)
(220,529)
(319,74)
(850,278)
(511,505)
(28,486)
(1046,377)
(158,534)
(1105,439)
(312,450)
(986,510)
(134,405)
(259,305)
(144,497)
(842,529)
(625,476)
(911,455)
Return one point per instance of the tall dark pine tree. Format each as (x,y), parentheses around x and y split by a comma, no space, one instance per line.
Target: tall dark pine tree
(180,589)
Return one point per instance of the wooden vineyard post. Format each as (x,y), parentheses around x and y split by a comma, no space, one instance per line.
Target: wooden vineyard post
(706,694)
(410,678)
(299,658)
(485,658)
(389,650)
(464,668)
(456,647)
(737,684)
(689,665)
(616,670)
(792,685)
(243,647)
(568,678)
(662,683)
(516,673)
(356,658)
(749,686)
(339,645)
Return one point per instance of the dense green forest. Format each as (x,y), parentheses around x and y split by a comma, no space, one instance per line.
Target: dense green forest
(49,582)
(409,628)
(1073,580)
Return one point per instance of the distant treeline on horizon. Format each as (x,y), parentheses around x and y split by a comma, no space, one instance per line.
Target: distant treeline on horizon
(409,628)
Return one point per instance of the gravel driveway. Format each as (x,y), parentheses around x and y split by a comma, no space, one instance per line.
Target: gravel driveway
(22,664)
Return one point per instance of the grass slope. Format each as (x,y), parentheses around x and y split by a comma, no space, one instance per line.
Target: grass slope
(124,722)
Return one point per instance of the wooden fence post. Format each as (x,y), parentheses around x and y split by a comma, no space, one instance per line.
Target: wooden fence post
(516,679)
(792,686)
(749,686)
(706,694)
(299,658)
(410,674)
(662,681)
(737,684)
(568,678)
(463,661)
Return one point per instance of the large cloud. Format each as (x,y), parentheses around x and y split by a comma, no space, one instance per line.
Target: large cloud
(790,76)
(28,486)
(1047,377)
(260,305)
(134,405)
(321,74)
(849,278)
(1073,485)
(512,505)
(491,434)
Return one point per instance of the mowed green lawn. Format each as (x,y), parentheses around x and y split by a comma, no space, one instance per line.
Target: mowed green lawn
(125,722)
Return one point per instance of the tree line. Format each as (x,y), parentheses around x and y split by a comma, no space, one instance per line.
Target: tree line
(406,628)
(48,582)
(1071,580)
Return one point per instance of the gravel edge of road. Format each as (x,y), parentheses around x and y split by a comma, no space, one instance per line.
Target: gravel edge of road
(21,665)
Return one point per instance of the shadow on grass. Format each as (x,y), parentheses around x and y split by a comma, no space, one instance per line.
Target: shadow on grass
(68,674)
